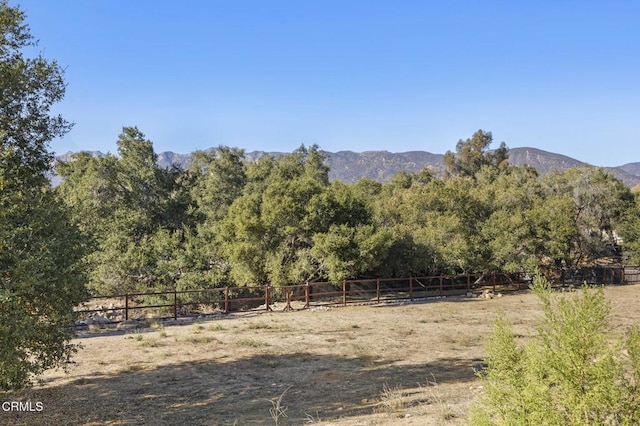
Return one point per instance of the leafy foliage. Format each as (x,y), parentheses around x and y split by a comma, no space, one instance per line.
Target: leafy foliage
(133,211)
(629,229)
(279,221)
(270,231)
(574,371)
(472,155)
(42,272)
(599,202)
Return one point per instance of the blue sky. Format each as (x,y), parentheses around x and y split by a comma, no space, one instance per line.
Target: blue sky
(563,76)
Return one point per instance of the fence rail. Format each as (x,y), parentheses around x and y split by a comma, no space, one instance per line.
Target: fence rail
(175,304)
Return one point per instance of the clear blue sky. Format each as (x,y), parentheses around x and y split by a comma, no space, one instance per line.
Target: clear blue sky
(563,76)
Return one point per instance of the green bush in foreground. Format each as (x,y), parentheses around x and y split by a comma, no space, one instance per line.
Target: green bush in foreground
(573,371)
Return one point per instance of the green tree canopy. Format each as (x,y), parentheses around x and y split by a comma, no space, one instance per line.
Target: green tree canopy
(473,154)
(629,230)
(216,179)
(42,275)
(599,201)
(266,234)
(133,213)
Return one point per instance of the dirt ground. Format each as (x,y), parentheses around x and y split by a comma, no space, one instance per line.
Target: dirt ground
(392,364)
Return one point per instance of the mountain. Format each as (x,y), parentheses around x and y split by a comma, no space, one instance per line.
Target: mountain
(631,168)
(348,166)
(545,162)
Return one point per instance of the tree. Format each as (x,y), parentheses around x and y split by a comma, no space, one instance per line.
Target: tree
(515,232)
(42,275)
(629,230)
(267,233)
(573,371)
(344,251)
(217,179)
(599,201)
(345,242)
(431,225)
(290,225)
(472,155)
(133,212)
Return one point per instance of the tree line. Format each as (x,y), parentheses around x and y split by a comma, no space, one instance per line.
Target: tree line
(224,221)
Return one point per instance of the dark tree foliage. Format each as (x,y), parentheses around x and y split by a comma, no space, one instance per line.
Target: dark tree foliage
(134,213)
(41,270)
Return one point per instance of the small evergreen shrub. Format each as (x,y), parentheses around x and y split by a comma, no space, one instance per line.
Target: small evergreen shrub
(574,371)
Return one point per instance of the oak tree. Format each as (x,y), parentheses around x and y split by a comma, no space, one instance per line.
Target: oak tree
(42,274)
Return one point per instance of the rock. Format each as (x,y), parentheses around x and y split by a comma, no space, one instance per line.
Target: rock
(487,294)
(101,320)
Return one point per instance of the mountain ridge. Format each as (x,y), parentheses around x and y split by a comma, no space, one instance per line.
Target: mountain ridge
(349,166)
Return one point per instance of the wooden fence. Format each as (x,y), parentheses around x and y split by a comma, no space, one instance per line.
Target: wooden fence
(174,304)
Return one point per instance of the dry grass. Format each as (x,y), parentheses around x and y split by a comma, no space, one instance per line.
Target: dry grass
(360,365)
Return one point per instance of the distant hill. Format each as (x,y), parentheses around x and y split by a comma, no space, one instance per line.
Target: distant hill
(545,162)
(631,168)
(348,166)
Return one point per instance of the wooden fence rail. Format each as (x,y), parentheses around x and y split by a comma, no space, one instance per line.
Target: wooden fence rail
(174,303)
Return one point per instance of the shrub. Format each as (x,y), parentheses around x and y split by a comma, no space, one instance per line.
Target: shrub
(574,371)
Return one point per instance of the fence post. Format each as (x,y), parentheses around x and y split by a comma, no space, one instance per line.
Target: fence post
(411,288)
(288,292)
(468,283)
(344,292)
(226,300)
(493,279)
(126,307)
(440,284)
(266,298)
(378,289)
(306,294)
(175,304)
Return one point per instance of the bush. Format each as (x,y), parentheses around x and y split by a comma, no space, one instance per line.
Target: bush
(574,371)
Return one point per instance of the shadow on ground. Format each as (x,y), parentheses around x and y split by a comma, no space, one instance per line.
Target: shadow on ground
(226,393)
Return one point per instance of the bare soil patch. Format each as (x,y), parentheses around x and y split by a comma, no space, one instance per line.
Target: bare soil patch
(400,364)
